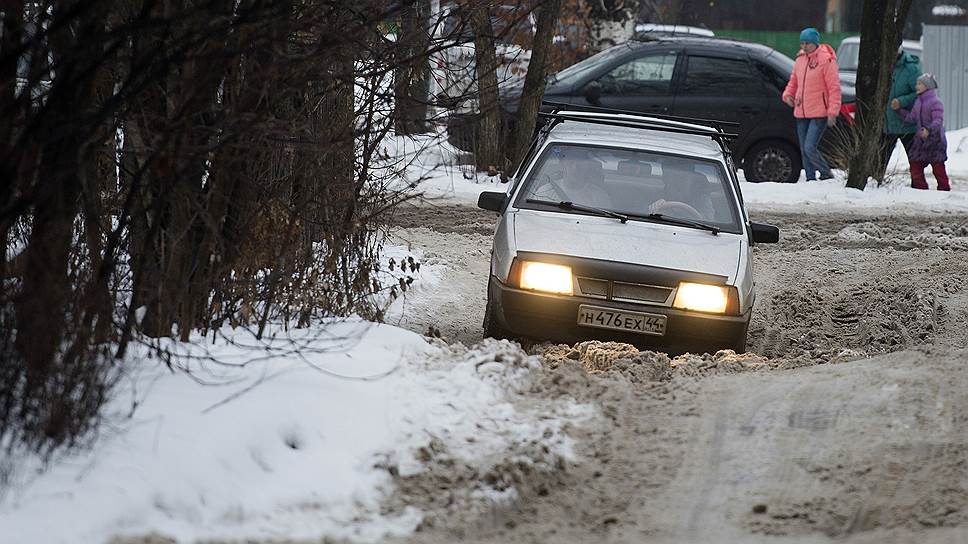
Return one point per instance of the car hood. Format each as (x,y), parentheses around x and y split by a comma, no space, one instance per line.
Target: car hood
(635,242)
(510,92)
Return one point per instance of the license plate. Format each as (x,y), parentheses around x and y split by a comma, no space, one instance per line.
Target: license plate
(605,318)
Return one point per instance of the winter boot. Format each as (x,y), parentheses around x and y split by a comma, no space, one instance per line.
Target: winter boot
(917,176)
(941,175)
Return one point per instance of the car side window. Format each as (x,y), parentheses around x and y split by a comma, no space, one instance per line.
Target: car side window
(773,80)
(650,75)
(722,77)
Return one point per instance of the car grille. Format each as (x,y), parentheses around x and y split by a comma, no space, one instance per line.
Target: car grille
(590,287)
(623,291)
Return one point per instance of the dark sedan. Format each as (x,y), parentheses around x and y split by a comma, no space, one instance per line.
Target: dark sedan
(699,77)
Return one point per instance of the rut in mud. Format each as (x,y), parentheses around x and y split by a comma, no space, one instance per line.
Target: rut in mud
(723,447)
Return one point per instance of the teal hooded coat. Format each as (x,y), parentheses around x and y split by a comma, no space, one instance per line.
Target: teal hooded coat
(906,72)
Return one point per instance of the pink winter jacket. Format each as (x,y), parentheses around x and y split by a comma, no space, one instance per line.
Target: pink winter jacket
(815,84)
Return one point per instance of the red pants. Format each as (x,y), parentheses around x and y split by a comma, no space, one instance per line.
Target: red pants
(917,175)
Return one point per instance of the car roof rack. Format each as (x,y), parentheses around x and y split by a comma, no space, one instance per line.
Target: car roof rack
(712,123)
(665,123)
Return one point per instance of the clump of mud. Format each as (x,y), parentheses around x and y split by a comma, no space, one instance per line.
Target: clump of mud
(594,356)
(511,461)
(650,366)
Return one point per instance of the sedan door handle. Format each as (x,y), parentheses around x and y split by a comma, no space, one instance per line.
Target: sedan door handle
(749,110)
(657,108)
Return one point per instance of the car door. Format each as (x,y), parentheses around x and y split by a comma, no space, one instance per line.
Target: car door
(725,88)
(642,83)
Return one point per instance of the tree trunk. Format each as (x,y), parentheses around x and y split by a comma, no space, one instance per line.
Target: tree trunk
(612,22)
(534,82)
(411,87)
(881,26)
(46,293)
(10,40)
(487,154)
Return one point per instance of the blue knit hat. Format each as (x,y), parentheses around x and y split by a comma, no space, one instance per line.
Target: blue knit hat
(810,35)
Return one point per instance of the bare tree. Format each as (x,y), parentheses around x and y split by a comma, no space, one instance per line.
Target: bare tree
(488,153)
(612,22)
(534,83)
(172,166)
(412,78)
(881,26)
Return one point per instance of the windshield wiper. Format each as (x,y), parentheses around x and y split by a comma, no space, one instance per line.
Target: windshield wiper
(677,221)
(565,205)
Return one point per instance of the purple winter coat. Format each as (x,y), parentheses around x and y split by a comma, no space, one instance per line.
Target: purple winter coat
(927,112)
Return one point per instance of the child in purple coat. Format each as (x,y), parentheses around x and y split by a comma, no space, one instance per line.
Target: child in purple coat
(930,145)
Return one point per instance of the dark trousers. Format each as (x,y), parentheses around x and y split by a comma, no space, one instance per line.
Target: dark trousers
(888,141)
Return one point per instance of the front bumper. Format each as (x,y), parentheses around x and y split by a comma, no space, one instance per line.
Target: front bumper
(543,316)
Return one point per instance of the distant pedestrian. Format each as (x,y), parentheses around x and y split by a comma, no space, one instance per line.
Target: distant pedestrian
(930,145)
(814,94)
(907,68)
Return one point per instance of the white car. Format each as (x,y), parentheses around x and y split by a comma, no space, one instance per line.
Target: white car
(848,55)
(628,228)
(672,30)
(453,62)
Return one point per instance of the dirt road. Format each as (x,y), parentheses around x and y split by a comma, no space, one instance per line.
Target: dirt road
(849,419)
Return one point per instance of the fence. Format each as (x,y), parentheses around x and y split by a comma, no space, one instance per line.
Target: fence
(945,49)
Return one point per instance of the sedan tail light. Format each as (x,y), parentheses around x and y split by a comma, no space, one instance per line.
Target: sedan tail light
(847,110)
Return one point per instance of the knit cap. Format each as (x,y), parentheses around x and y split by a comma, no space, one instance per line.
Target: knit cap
(928,81)
(810,35)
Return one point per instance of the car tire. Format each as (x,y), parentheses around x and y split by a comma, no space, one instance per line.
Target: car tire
(740,345)
(772,160)
(491,327)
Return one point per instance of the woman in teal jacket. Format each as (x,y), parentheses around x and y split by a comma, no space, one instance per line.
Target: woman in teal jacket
(907,68)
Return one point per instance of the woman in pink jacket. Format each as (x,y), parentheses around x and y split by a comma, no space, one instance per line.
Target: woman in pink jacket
(814,94)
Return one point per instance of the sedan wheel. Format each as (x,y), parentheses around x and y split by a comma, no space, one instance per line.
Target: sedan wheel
(772,161)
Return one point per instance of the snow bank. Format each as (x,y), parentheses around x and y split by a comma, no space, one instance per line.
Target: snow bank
(289,446)
(298,436)
(896,195)
(438,170)
(287,457)
(957,164)
(832,195)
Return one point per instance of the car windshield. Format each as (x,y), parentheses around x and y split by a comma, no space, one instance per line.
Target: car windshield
(576,71)
(849,53)
(631,182)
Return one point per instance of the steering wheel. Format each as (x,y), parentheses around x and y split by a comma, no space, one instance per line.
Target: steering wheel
(546,181)
(681,209)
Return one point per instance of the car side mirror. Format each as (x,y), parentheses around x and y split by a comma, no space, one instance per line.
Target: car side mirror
(593,92)
(492,201)
(765,234)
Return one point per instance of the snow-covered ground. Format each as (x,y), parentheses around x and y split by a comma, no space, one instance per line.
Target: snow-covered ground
(299,445)
(297,436)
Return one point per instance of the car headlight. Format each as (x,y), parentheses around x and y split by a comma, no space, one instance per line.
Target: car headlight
(550,278)
(702,298)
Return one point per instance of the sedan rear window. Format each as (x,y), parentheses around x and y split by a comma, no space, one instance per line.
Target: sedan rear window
(633,182)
